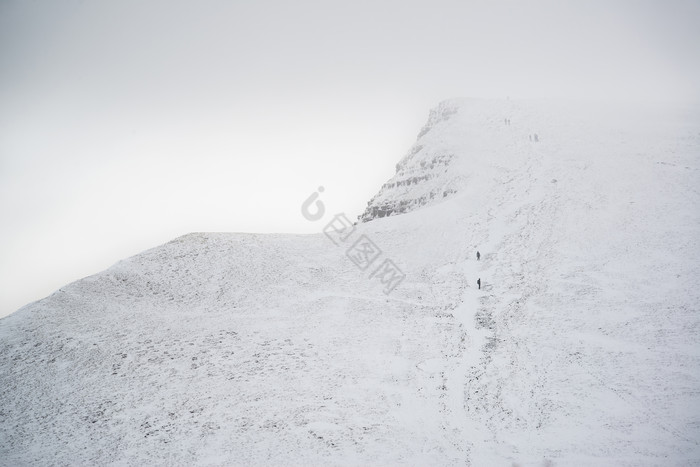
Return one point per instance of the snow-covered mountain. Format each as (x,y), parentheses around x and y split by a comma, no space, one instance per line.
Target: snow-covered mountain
(579,348)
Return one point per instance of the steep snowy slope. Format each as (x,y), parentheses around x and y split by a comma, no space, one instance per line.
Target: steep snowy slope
(580,348)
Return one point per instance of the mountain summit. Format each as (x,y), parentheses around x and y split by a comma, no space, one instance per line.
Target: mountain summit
(577,345)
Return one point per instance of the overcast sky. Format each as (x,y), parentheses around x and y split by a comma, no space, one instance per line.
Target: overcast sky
(124,124)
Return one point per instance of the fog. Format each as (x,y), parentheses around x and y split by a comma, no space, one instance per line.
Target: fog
(124,124)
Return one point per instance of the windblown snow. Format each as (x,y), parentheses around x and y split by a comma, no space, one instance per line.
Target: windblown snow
(580,348)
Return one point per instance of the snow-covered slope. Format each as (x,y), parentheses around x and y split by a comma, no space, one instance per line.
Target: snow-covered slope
(580,348)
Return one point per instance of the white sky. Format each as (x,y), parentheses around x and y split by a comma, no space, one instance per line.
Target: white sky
(126,123)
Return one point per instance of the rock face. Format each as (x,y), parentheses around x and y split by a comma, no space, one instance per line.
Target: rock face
(422,176)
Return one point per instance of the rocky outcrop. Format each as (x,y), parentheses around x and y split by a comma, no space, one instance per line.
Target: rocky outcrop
(421,176)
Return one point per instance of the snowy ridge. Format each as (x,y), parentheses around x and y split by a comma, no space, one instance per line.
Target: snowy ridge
(580,348)
(438,165)
(422,176)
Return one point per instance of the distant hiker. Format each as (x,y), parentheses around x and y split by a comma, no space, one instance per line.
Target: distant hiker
(478,255)
(536,138)
(478,282)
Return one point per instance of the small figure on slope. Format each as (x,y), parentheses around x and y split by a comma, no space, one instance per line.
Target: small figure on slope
(478,282)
